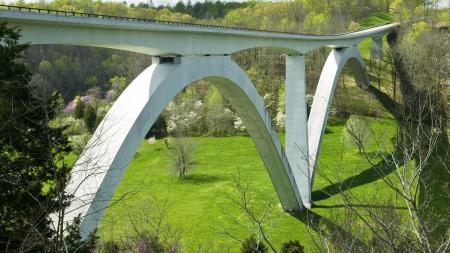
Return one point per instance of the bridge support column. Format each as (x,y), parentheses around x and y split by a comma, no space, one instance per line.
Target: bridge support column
(296,125)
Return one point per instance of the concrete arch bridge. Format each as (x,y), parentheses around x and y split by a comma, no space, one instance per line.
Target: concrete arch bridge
(183,53)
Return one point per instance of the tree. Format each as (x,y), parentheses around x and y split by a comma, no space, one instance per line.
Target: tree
(181,153)
(91,81)
(32,169)
(90,118)
(159,128)
(219,120)
(185,116)
(79,108)
(180,7)
(357,130)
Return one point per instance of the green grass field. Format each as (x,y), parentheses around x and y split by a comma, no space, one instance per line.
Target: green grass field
(197,205)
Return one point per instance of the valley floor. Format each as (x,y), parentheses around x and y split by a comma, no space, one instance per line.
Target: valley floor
(198,206)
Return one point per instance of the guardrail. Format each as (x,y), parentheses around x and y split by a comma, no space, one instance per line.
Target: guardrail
(154,21)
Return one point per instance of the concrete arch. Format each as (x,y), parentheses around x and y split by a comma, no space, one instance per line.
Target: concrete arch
(323,98)
(107,155)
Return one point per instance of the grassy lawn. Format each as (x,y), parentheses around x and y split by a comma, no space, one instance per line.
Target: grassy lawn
(197,205)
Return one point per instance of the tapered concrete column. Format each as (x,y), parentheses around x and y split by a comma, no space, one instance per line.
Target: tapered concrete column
(296,125)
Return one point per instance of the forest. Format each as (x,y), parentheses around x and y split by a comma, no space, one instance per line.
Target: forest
(383,175)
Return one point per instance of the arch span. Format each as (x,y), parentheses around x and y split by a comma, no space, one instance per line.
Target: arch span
(323,98)
(107,155)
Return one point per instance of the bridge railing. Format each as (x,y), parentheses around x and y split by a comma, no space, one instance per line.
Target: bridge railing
(155,21)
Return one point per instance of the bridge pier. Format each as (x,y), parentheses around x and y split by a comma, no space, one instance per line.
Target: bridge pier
(296,125)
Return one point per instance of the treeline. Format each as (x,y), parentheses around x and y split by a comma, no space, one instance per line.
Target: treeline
(73,70)
(201,10)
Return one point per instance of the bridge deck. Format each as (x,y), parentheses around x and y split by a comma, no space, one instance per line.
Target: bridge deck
(218,39)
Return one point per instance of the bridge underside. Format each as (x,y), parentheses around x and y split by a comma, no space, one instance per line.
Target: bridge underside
(107,155)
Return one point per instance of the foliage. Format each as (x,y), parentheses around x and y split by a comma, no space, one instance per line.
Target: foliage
(91,81)
(185,114)
(239,125)
(78,142)
(280,120)
(90,118)
(74,242)
(110,247)
(207,9)
(292,247)
(357,131)
(79,108)
(118,83)
(159,128)
(31,156)
(219,119)
(251,245)
(149,244)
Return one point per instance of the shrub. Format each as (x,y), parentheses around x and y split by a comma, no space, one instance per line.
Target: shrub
(149,244)
(251,245)
(79,109)
(78,142)
(292,247)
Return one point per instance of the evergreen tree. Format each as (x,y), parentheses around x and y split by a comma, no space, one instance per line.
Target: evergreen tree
(32,171)
(79,109)
(90,117)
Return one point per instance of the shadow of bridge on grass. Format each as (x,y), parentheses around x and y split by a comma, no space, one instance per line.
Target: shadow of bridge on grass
(330,231)
(377,171)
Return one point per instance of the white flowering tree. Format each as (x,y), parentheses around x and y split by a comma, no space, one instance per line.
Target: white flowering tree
(185,114)
(219,120)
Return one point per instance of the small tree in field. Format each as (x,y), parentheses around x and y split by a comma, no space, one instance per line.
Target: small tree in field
(357,130)
(181,152)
